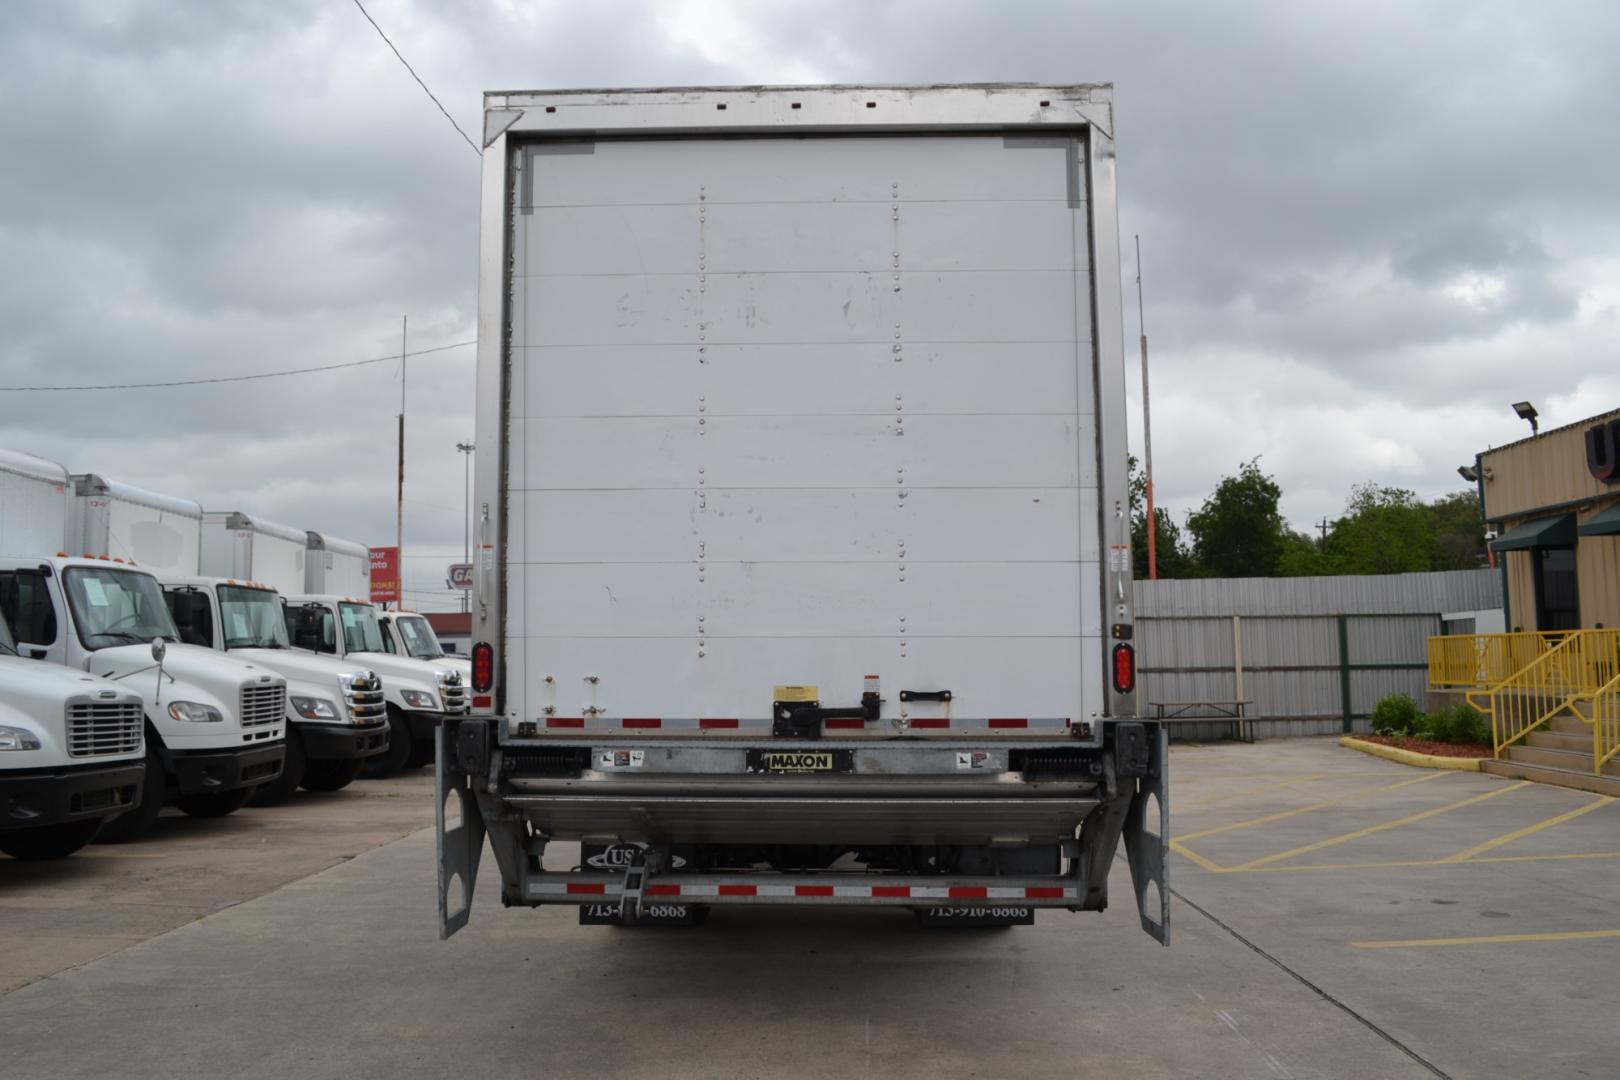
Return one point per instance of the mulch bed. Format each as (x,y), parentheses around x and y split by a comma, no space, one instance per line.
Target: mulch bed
(1429,746)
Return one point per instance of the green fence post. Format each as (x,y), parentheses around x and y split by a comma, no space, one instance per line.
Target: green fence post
(1344,671)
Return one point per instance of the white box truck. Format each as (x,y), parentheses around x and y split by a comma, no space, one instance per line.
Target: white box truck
(249,548)
(408,633)
(803,565)
(34,498)
(71,755)
(335,714)
(419,693)
(159,533)
(336,567)
(336,719)
(213,725)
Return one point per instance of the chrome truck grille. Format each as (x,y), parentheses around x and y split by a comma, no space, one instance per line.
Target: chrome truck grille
(365,698)
(97,728)
(454,693)
(263,704)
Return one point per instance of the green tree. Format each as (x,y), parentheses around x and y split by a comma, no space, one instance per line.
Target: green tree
(1239,532)
(1174,560)
(1302,556)
(1459,535)
(1384,530)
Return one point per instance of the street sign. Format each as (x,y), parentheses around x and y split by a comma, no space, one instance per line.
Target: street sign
(460,575)
(385,575)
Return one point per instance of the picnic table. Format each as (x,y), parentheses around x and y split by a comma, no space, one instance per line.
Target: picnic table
(1234,711)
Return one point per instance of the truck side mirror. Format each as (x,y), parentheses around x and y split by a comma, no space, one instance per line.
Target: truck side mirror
(159,650)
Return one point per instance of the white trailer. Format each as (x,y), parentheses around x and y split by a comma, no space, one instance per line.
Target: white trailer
(247,548)
(803,569)
(335,566)
(159,533)
(33,504)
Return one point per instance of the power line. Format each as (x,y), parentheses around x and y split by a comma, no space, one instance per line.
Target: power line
(232,378)
(417,77)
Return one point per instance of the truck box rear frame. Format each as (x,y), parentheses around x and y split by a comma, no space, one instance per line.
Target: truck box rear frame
(570,121)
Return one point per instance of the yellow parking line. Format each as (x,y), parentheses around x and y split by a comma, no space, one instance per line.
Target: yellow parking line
(1488,939)
(1246,792)
(1208,864)
(1345,838)
(1464,856)
(1314,806)
(1406,863)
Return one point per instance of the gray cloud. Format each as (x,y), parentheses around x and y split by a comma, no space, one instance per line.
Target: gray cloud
(1366,228)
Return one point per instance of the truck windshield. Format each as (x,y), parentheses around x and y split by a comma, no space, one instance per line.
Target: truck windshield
(117,607)
(418,637)
(8,644)
(251,618)
(360,630)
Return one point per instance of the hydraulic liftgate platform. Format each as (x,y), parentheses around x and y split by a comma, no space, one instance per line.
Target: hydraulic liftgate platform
(464,771)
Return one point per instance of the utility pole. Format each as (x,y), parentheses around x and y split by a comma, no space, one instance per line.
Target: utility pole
(1323,525)
(1147,428)
(466,449)
(399,505)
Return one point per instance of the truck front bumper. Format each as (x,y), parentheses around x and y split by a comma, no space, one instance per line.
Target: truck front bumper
(342,742)
(203,772)
(68,793)
(423,725)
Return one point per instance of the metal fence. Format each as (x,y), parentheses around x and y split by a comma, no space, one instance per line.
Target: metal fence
(1311,656)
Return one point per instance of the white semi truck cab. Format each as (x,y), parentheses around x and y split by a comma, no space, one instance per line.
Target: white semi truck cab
(419,693)
(71,755)
(214,725)
(335,710)
(802,566)
(407,633)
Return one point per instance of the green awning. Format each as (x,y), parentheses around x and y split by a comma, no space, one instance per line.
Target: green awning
(1541,533)
(1604,524)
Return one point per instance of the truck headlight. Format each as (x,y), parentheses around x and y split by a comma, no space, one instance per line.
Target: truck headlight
(314,708)
(15,738)
(190,712)
(418,699)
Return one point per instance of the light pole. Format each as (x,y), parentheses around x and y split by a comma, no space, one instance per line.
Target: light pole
(466,449)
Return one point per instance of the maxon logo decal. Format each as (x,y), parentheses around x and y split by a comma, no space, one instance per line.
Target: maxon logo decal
(798,761)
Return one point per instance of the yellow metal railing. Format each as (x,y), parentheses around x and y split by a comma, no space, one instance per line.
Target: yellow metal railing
(1605,724)
(1484,659)
(1582,666)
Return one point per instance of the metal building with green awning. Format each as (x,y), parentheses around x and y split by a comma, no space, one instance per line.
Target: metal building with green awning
(1544,532)
(1606,523)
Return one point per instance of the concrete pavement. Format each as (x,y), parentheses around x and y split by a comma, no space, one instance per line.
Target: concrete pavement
(1338,916)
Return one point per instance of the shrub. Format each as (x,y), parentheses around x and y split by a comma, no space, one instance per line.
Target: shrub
(1440,726)
(1468,725)
(1396,714)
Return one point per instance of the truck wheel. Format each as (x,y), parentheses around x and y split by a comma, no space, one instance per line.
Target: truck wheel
(215,803)
(393,759)
(330,775)
(423,752)
(276,791)
(49,841)
(133,823)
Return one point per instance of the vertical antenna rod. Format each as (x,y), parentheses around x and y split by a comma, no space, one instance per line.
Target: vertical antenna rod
(399,505)
(1147,428)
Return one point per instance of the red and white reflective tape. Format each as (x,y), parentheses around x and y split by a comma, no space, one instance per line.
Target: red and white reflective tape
(947,724)
(566,888)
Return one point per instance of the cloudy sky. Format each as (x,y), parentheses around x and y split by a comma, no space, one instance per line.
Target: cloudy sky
(1368,228)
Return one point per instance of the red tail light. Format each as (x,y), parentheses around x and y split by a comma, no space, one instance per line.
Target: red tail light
(483,666)
(1124,668)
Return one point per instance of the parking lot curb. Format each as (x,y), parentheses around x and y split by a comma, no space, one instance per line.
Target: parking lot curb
(1411,757)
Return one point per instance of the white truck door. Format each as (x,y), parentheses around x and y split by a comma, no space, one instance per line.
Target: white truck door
(802,410)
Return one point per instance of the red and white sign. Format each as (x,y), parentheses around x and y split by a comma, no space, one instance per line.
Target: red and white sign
(460,575)
(385,575)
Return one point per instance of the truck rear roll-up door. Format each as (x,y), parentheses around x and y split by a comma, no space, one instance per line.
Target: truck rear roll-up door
(798,411)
